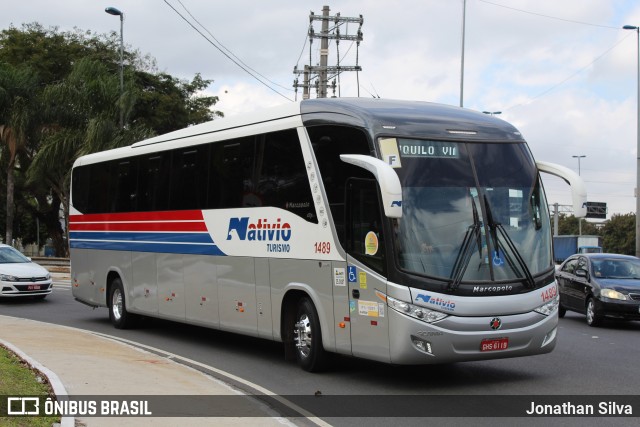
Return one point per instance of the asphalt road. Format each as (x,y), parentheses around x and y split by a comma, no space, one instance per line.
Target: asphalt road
(587,361)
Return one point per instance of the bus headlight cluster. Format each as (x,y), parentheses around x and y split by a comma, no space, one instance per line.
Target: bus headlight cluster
(548,307)
(415,311)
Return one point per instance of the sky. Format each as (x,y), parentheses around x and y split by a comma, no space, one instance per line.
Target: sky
(564,73)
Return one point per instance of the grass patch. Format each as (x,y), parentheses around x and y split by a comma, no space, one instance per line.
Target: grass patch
(18,378)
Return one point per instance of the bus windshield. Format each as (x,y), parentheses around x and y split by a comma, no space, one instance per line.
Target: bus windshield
(472,212)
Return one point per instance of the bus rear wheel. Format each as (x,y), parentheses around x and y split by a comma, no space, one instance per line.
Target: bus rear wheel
(307,337)
(118,314)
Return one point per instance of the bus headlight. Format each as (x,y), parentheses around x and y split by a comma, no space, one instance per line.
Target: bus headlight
(548,307)
(420,313)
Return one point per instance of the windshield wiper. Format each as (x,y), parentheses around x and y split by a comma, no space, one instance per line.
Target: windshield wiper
(464,254)
(494,228)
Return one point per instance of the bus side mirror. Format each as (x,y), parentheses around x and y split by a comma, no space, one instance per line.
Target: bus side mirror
(578,189)
(387,179)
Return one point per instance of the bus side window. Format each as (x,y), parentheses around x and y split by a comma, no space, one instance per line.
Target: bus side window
(283,181)
(328,142)
(365,240)
(80,188)
(100,177)
(189,178)
(153,182)
(231,179)
(124,190)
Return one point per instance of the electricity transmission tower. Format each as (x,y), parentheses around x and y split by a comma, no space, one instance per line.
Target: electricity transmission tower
(320,75)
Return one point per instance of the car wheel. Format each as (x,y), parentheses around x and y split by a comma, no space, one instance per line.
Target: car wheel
(593,317)
(118,314)
(561,311)
(308,337)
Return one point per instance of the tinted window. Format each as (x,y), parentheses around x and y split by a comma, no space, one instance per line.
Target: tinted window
(80,187)
(99,191)
(189,178)
(365,241)
(153,182)
(570,266)
(124,186)
(328,143)
(283,181)
(262,170)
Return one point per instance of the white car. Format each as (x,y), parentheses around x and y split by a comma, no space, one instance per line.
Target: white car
(20,277)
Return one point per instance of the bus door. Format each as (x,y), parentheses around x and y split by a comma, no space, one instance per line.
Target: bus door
(366,267)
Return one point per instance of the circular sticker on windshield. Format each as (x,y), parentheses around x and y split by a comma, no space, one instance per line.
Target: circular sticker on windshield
(371,243)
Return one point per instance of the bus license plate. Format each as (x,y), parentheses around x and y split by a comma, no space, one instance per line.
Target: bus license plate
(494,344)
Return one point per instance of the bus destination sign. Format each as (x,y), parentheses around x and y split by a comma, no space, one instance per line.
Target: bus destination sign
(429,149)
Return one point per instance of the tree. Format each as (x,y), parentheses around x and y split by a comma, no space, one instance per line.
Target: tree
(568,225)
(80,102)
(18,99)
(619,234)
(165,103)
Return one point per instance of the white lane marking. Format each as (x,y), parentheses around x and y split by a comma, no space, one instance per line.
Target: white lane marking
(307,414)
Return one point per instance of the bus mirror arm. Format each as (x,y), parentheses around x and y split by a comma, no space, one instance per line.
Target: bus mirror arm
(387,178)
(578,188)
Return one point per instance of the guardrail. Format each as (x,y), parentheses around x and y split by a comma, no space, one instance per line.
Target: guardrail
(54,265)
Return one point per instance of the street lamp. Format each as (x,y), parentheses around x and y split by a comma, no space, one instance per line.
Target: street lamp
(579,219)
(464,13)
(579,157)
(116,12)
(637,30)
(492,113)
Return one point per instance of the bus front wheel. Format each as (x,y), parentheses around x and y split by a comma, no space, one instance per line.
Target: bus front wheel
(118,314)
(308,338)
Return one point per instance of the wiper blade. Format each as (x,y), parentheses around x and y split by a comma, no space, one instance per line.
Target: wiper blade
(464,254)
(494,228)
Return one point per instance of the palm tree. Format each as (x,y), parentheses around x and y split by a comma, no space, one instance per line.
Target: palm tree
(18,111)
(82,114)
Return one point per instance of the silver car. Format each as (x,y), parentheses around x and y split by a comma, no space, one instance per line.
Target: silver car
(20,277)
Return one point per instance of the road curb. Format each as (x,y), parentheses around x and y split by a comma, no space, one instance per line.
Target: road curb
(58,388)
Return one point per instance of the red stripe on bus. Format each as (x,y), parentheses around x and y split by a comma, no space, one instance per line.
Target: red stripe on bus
(138,226)
(193,215)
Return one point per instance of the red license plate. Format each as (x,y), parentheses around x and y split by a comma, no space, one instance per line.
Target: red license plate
(494,344)
(33,287)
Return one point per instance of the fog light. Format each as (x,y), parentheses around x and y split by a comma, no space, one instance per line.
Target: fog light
(549,337)
(422,345)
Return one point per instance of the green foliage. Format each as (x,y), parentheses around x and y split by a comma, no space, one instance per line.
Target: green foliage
(568,225)
(60,98)
(618,233)
(18,379)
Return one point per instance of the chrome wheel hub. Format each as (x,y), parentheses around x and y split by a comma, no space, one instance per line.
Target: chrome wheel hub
(116,304)
(302,335)
(590,312)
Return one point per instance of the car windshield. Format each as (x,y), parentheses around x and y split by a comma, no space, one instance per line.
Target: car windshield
(471,212)
(9,255)
(611,268)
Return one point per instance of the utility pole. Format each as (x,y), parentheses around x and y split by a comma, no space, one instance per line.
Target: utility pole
(324,52)
(319,75)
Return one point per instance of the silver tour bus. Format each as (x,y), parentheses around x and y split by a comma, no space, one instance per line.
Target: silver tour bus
(403,232)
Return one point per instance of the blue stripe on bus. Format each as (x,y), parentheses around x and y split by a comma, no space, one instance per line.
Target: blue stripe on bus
(142,236)
(208,249)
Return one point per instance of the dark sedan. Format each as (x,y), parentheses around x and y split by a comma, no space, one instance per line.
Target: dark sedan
(600,285)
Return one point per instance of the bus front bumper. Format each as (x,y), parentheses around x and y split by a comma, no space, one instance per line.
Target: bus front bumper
(457,339)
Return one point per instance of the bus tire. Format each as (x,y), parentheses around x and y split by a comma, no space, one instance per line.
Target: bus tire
(307,336)
(118,314)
